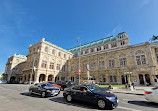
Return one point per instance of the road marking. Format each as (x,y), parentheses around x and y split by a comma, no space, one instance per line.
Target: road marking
(131,109)
(125,99)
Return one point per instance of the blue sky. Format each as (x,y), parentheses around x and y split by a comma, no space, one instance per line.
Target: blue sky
(25,22)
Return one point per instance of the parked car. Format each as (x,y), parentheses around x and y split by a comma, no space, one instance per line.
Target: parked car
(92,94)
(152,95)
(64,84)
(54,84)
(44,90)
(3,81)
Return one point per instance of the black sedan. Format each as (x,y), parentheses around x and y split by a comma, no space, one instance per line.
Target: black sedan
(44,90)
(91,94)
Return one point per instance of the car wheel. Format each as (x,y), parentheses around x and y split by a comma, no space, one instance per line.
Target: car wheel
(101,104)
(43,94)
(30,92)
(69,98)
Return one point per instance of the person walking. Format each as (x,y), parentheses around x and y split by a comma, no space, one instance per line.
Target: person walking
(133,85)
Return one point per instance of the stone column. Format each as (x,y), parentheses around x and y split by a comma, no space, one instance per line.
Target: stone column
(36,77)
(144,79)
(46,78)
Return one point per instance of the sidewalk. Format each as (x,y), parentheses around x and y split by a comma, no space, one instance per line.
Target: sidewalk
(139,90)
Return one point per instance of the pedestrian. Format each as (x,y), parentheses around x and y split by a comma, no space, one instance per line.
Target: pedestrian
(133,85)
(110,86)
(126,85)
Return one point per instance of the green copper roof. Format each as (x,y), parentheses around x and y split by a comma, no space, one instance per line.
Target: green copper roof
(101,41)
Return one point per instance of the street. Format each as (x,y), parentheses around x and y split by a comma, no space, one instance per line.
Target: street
(15,97)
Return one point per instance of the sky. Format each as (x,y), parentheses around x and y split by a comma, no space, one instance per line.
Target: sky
(61,22)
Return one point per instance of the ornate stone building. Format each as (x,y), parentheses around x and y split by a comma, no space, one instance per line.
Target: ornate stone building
(108,59)
(45,61)
(111,58)
(14,67)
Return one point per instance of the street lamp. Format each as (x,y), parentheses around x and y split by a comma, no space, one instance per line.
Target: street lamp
(128,78)
(79,71)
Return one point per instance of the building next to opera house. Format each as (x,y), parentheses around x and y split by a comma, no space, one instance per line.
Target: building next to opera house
(107,60)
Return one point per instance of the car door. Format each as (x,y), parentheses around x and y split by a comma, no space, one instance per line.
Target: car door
(87,95)
(38,89)
(76,92)
(34,88)
(155,95)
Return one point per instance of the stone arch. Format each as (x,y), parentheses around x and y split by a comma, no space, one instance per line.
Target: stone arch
(42,77)
(141,79)
(50,77)
(12,79)
(122,55)
(139,52)
(147,79)
(123,79)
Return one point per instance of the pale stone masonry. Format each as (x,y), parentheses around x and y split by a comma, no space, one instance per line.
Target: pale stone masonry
(108,60)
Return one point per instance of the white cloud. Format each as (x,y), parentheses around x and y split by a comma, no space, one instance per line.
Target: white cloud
(116,30)
(144,3)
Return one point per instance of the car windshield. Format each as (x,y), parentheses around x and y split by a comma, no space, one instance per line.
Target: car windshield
(94,88)
(46,85)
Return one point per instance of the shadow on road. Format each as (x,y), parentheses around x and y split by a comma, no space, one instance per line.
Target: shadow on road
(144,103)
(32,95)
(62,100)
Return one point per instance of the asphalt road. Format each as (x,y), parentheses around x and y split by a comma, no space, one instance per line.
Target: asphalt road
(15,97)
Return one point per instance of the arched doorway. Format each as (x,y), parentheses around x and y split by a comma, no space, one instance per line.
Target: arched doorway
(12,79)
(147,78)
(42,78)
(123,79)
(50,78)
(141,79)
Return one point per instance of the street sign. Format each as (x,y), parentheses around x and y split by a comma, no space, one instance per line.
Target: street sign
(79,72)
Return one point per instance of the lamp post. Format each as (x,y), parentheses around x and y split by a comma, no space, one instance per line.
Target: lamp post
(79,71)
(128,78)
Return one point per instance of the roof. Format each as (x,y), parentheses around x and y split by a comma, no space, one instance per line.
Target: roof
(101,41)
(21,56)
(57,47)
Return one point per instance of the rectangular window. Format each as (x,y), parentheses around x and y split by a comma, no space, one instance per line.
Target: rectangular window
(143,59)
(51,65)
(59,54)
(64,55)
(84,67)
(106,47)
(72,68)
(44,64)
(92,50)
(92,66)
(58,67)
(101,64)
(111,63)
(140,59)
(72,79)
(86,51)
(63,68)
(122,61)
(113,45)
